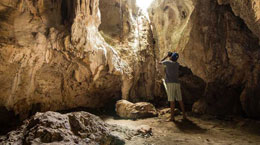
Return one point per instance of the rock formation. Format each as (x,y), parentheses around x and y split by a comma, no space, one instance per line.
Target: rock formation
(63,54)
(72,128)
(218,46)
(249,11)
(53,56)
(126,109)
(125,27)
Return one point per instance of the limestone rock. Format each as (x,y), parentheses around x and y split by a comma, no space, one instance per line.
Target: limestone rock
(249,11)
(192,87)
(52,55)
(199,107)
(125,27)
(63,54)
(126,109)
(168,111)
(52,127)
(217,46)
(55,55)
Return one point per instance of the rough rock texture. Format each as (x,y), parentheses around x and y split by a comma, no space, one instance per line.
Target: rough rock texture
(53,57)
(217,46)
(192,87)
(166,111)
(248,10)
(72,128)
(63,54)
(58,55)
(126,109)
(125,27)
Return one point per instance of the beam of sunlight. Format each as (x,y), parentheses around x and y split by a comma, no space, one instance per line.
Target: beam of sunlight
(144,5)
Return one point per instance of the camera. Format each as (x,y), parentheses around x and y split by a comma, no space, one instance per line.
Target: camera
(170,54)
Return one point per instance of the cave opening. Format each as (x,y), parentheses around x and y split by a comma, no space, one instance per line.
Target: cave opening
(144,5)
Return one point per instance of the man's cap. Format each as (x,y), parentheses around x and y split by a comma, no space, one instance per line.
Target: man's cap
(174,56)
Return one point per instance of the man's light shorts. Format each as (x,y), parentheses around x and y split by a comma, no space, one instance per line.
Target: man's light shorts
(173,91)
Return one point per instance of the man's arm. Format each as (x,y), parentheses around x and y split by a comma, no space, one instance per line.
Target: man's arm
(163,59)
(168,55)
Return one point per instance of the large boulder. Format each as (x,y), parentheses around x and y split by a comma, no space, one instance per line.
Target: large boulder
(192,87)
(126,109)
(55,128)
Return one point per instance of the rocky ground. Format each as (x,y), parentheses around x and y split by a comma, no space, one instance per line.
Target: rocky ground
(85,128)
(197,130)
(56,128)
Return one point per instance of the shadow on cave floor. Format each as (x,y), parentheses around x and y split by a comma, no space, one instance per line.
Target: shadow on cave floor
(189,126)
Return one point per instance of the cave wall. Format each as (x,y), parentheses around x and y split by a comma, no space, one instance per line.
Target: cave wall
(249,11)
(218,46)
(124,26)
(53,57)
(63,54)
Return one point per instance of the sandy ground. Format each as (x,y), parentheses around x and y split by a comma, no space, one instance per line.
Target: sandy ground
(197,130)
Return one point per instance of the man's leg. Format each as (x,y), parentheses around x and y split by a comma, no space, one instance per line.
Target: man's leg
(183,110)
(172,110)
(179,99)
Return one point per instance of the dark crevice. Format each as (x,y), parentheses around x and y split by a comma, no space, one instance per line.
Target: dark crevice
(90,7)
(184,14)
(242,26)
(67,12)
(8,121)
(166,8)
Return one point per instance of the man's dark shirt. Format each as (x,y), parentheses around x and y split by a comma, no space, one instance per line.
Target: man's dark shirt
(172,71)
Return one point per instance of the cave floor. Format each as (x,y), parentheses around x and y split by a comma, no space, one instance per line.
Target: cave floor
(197,130)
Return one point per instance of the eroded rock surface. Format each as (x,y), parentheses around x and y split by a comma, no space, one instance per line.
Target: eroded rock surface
(125,27)
(53,57)
(249,11)
(72,128)
(218,47)
(126,109)
(57,55)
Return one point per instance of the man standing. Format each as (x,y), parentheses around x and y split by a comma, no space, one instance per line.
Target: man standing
(172,82)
